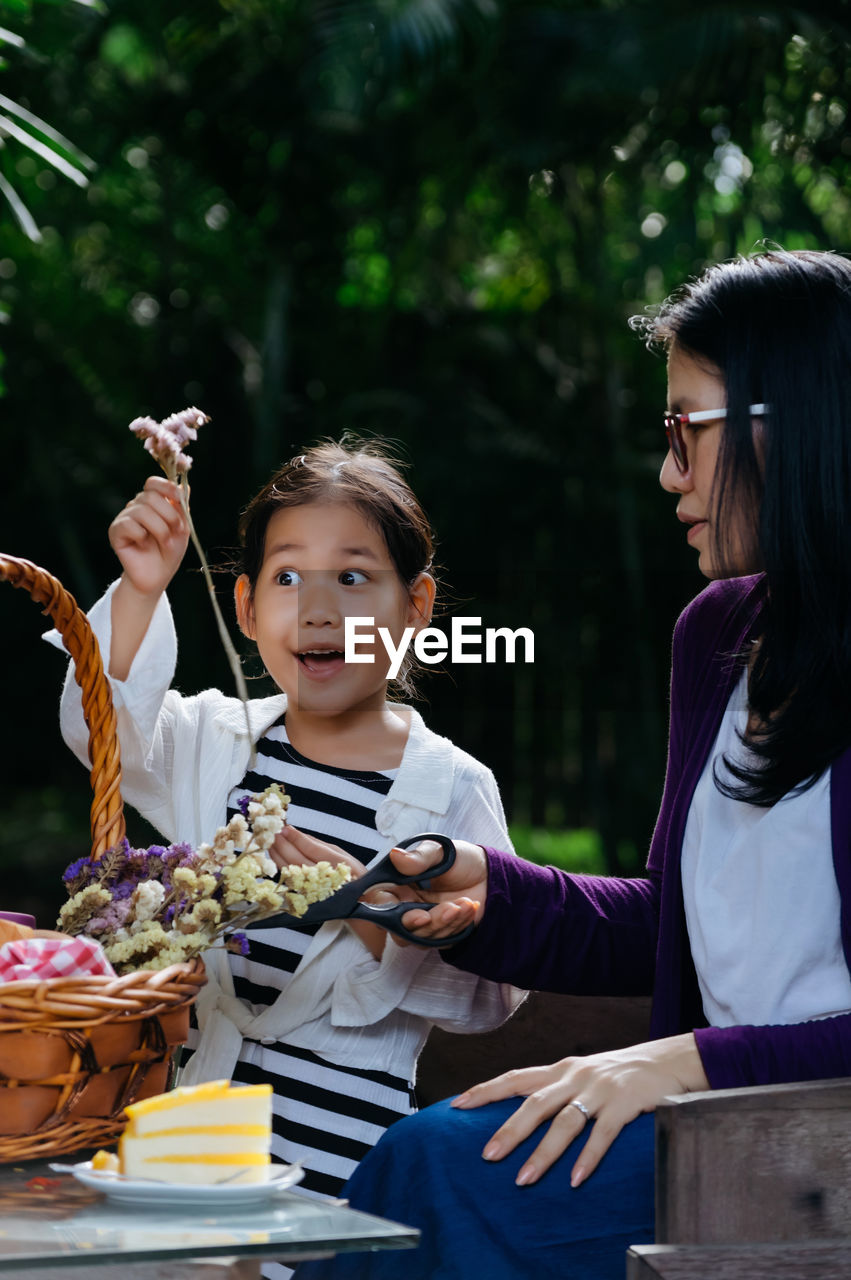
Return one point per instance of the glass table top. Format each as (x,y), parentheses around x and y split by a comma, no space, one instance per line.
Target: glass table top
(48,1218)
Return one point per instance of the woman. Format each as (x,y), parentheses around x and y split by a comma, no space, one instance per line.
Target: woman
(741,926)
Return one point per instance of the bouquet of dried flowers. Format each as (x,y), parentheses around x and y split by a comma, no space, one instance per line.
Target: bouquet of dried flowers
(149,908)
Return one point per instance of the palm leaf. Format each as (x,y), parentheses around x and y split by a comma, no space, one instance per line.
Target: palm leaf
(15,109)
(51,157)
(22,214)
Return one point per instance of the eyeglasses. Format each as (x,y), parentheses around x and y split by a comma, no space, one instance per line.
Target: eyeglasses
(674,423)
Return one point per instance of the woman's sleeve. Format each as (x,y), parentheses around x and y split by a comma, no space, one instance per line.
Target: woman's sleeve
(548,930)
(737,1056)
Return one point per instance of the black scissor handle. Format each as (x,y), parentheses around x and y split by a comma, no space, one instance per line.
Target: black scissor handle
(390,916)
(384,870)
(447,861)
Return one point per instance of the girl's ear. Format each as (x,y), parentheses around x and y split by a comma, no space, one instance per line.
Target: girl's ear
(244,606)
(421,601)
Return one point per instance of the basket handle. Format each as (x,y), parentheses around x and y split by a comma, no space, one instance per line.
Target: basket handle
(107,811)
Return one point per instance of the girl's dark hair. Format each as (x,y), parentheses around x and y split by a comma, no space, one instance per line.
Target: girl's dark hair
(778,326)
(358,473)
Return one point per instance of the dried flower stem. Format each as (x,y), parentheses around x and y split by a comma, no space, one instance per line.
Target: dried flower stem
(165,441)
(230,651)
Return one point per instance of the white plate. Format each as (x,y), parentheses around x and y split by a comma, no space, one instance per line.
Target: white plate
(180,1194)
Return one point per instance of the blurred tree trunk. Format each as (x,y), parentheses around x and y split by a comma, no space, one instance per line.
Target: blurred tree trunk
(270,430)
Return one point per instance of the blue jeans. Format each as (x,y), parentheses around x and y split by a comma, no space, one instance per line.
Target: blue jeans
(427,1172)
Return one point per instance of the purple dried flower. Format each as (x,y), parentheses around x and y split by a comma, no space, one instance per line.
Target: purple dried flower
(136,861)
(238,943)
(184,425)
(110,867)
(123,889)
(165,440)
(242,804)
(79,868)
(113,917)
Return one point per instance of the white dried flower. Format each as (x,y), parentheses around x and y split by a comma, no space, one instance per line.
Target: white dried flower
(237,831)
(185,877)
(268,866)
(78,910)
(148,898)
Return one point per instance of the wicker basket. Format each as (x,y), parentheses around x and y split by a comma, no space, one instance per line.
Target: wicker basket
(75,1051)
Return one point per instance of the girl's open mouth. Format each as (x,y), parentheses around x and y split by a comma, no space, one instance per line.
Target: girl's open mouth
(321,663)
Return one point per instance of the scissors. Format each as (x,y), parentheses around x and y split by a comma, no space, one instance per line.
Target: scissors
(345,904)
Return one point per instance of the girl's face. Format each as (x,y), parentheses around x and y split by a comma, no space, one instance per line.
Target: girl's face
(694,385)
(322,563)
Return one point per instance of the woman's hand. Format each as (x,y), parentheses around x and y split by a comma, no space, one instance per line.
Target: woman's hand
(460,893)
(150,536)
(613,1088)
(454,912)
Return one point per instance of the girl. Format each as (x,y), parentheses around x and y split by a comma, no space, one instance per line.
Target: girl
(333,1015)
(742,925)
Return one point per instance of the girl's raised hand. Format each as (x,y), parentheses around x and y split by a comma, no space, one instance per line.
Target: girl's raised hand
(150,536)
(613,1089)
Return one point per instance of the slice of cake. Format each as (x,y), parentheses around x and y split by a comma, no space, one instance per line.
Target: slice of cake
(201,1133)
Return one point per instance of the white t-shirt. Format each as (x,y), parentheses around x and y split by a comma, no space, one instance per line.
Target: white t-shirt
(761,900)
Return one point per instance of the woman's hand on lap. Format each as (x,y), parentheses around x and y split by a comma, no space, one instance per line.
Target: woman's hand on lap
(614,1087)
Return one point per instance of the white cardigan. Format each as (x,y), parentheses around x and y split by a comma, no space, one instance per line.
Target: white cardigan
(180,758)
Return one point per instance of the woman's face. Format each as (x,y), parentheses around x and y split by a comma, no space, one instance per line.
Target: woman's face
(694,385)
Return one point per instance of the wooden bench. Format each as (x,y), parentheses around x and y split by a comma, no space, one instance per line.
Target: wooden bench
(752,1183)
(808,1260)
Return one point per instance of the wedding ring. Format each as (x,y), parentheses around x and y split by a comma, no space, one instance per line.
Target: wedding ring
(580,1106)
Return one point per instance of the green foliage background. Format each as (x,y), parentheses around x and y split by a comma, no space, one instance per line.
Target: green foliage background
(424,219)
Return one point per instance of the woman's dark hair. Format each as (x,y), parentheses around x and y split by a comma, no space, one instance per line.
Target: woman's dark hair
(358,473)
(778,326)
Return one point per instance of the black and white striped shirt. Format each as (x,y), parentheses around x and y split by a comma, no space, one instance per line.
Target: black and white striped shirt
(325,1115)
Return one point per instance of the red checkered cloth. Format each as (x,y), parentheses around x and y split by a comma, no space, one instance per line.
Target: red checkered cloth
(32,959)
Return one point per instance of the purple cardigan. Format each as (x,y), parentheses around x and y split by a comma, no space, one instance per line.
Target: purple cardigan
(603,935)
